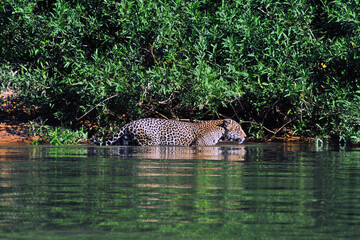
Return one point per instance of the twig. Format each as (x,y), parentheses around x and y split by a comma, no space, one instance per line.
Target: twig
(273,132)
(171,97)
(221,115)
(77,119)
(308,26)
(268,130)
(234,111)
(282,127)
(152,109)
(161,114)
(263,12)
(152,54)
(252,122)
(312,34)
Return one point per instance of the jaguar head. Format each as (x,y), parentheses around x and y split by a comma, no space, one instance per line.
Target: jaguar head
(233,131)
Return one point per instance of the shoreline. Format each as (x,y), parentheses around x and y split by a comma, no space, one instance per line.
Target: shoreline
(18,133)
(15,134)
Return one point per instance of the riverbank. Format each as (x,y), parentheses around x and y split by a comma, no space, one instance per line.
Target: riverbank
(20,133)
(15,133)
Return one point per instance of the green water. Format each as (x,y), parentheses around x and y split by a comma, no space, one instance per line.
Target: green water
(226,192)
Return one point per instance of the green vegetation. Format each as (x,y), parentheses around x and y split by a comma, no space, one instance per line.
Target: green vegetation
(279,67)
(56,135)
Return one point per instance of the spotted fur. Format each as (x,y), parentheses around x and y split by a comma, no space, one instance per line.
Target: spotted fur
(153,131)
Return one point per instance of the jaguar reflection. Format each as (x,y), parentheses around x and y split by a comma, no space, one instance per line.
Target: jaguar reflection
(225,153)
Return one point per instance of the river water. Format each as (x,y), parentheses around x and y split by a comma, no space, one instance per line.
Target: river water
(260,191)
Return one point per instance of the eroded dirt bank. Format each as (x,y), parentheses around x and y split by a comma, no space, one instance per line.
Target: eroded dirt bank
(14,133)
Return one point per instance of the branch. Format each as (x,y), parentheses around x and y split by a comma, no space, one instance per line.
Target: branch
(252,122)
(312,34)
(282,127)
(263,12)
(152,54)
(77,119)
(151,109)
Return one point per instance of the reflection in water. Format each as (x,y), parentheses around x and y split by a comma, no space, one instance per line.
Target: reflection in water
(226,153)
(7,157)
(228,192)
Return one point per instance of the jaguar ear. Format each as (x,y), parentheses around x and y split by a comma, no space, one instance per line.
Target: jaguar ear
(224,124)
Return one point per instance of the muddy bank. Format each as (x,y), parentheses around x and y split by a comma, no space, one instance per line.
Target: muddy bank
(15,133)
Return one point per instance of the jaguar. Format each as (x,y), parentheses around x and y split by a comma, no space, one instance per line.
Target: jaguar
(155,131)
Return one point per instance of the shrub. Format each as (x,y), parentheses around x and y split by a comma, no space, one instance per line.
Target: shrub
(270,63)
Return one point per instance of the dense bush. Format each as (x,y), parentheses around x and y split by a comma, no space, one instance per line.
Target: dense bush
(278,66)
